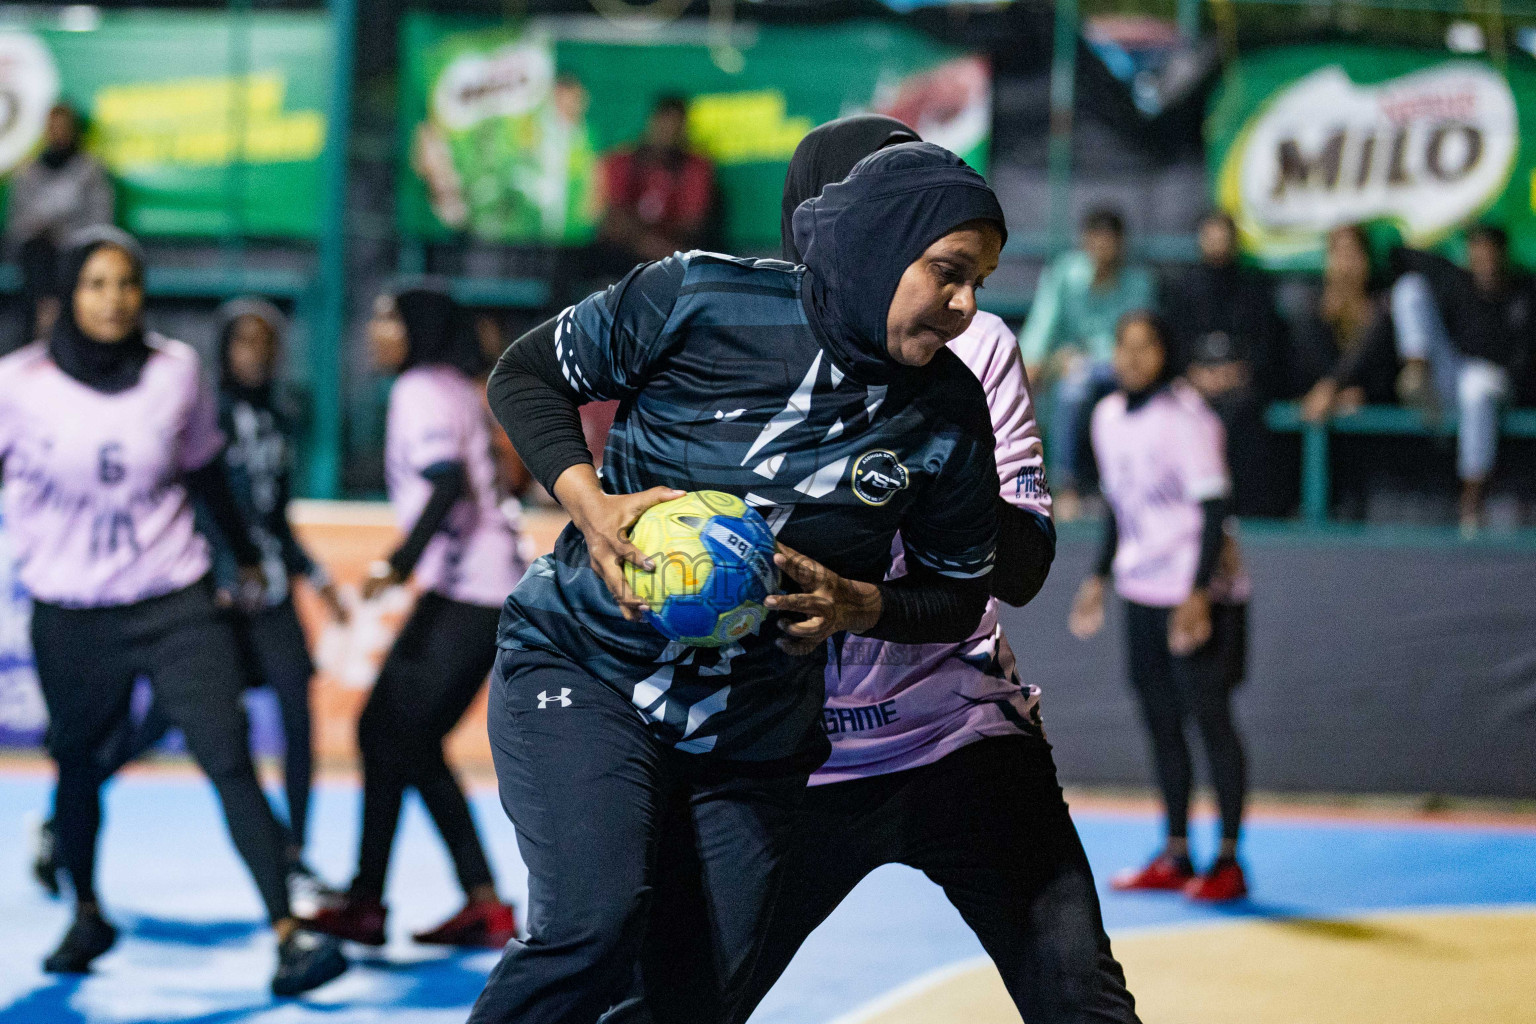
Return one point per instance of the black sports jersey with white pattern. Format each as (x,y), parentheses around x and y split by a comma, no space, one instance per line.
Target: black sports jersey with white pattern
(725,385)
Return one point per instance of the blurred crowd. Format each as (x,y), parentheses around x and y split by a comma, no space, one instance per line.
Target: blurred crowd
(1396,328)
(1378,327)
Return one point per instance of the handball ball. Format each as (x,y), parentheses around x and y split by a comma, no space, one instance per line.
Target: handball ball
(713,559)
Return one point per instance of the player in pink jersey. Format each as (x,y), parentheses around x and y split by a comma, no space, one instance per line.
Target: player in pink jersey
(259,427)
(464,555)
(105,432)
(923,737)
(1162,459)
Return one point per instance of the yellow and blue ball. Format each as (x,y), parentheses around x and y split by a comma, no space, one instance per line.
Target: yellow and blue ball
(713,568)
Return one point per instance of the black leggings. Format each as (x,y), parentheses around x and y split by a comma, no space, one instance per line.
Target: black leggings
(437,665)
(87,661)
(273,652)
(1172,690)
(988,824)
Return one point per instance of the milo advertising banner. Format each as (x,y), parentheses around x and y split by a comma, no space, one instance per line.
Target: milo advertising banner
(1304,139)
(509,123)
(207,124)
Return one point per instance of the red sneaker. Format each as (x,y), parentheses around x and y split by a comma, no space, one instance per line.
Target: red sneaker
(478,926)
(1164,873)
(351,918)
(1223,883)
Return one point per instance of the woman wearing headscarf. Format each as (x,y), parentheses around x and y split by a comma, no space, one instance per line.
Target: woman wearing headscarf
(273,649)
(1161,454)
(270,640)
(939,761)
(462,552)
(653,785)
(107,432)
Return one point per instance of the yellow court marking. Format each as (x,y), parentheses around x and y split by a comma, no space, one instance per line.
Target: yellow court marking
(1464,967)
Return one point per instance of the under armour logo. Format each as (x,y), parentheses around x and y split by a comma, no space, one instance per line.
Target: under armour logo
(563,699)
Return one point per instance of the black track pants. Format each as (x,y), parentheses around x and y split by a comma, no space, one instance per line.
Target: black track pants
(1171,691)
(87,660)
(988,824)
(437,665)
(630,847)
(276,655)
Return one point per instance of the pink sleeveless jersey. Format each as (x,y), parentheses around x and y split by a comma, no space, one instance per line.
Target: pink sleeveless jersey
(437,414)
(94,499)
(889,706)
(1157,464)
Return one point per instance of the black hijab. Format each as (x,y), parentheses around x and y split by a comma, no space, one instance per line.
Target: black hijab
(225,318)
(104,367)
(859,236)
(826,155)
(436,330)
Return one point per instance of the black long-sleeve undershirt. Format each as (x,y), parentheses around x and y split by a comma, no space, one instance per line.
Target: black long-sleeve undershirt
(210,484)
(535,405)
(923,607)
(1213,513)
(1026,547)
(1109,543)
(537,408)
(449,481)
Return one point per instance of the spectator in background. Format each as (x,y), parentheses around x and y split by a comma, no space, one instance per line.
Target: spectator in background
(658,196)
(60,192)
(1466,338)
(1070,337)
(1229,342)
(1343,354)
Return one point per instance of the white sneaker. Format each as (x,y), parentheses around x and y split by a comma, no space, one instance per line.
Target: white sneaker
(307,894)
(45,854)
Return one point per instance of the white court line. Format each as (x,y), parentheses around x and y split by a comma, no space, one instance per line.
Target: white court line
(933,979)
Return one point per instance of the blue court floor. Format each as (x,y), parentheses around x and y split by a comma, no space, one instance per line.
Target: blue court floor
(194,948)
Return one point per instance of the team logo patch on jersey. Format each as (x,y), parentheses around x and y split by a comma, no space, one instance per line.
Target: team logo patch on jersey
(877,476)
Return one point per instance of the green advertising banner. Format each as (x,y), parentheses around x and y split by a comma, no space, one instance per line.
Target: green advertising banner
(509,122)
(1303,139)
(209,125)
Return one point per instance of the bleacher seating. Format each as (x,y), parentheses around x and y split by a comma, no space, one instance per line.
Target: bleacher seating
(1285,417)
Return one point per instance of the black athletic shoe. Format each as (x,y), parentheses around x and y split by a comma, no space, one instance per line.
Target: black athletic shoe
(45,856)
(306,960)
(89,937)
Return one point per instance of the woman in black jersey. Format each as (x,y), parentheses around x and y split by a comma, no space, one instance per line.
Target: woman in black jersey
(273,649)
(106,432)
(653,784)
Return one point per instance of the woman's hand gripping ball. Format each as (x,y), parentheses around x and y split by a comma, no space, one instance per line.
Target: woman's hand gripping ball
(827,602)
(604,520)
